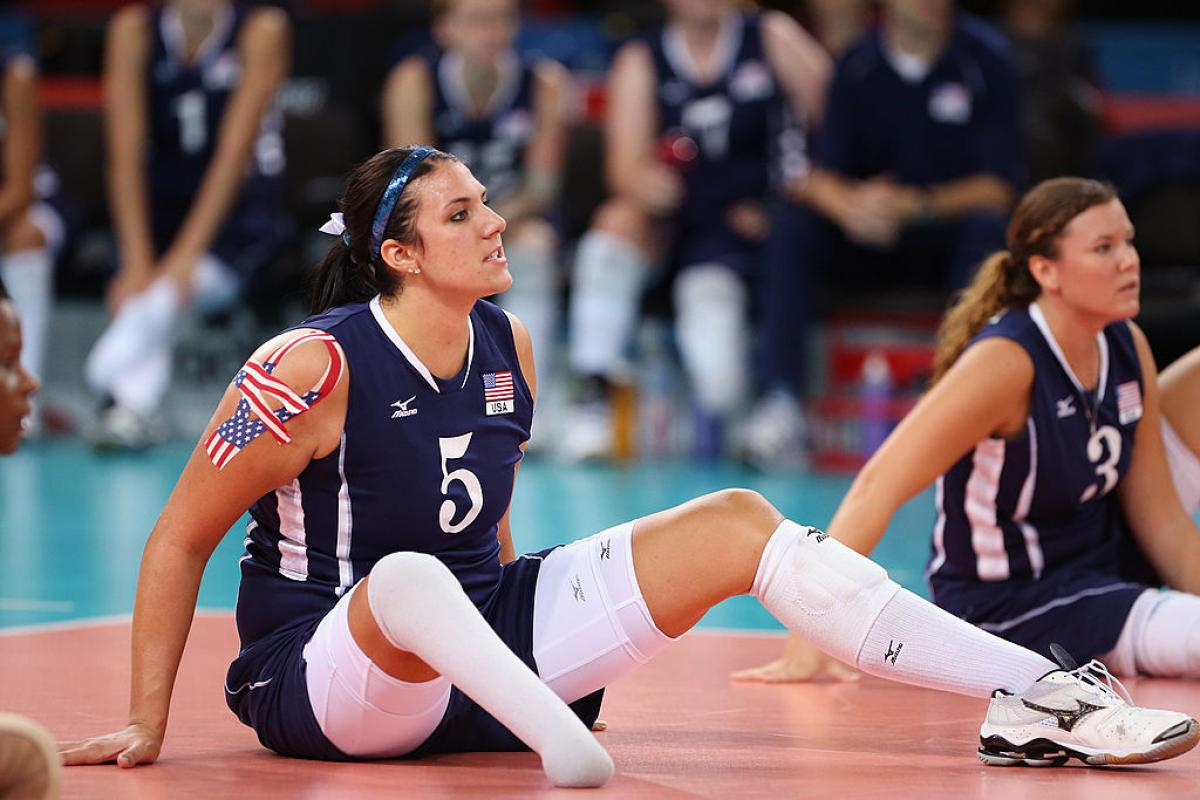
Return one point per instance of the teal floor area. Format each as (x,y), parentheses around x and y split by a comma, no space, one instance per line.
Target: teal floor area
(73,523)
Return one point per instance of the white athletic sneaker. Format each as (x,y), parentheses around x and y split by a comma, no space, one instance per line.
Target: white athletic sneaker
(1080,712)
(120,428)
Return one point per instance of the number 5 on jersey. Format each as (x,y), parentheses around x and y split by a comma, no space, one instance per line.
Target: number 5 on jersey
(454,447)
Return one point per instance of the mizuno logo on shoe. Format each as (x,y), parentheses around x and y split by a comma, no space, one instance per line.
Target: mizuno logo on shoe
(404,410)
(891,654)
(1068,718)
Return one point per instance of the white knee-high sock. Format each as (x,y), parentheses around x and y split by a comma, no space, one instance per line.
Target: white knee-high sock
(606,291)
(29,277)
(422,609)
(846,605)
(143,386)
(144,323)
(714,336)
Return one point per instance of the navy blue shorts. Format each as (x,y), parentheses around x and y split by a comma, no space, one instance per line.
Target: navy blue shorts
(1084,611)
(266,686)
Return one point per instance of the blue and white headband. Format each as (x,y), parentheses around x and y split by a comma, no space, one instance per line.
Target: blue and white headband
(336,224)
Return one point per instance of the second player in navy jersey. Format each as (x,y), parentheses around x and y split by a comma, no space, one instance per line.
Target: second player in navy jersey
(1057,517)
(383,611)
(195,164)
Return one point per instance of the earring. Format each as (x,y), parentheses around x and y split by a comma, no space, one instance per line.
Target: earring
(414,271)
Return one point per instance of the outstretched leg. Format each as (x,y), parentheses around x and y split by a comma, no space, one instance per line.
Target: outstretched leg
(413,620)
(734,542)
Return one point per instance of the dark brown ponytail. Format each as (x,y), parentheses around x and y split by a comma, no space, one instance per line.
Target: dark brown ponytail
(350,271)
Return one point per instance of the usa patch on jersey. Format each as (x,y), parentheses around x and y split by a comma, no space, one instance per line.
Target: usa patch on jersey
(1129,402)
(498,393)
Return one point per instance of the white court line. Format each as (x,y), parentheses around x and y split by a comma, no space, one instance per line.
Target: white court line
(27,604)
(96,622)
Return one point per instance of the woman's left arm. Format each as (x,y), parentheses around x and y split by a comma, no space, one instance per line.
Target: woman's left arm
(525,357)
(1168,537)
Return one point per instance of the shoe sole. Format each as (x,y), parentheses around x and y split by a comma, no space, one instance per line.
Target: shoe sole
(996,751)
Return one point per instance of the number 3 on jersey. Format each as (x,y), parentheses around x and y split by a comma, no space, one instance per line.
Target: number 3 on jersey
(1106,470)
(451,448)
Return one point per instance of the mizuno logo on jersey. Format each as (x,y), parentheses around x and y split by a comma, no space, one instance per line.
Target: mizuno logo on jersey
(402,409)
(1066,407)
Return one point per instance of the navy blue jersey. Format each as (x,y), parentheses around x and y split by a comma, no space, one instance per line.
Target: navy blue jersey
(424,465)
(187,101)
(1041,504)
(740,122)
(491,144)
(957,120)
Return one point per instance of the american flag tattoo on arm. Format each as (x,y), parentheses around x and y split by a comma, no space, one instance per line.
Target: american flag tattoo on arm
(254,415)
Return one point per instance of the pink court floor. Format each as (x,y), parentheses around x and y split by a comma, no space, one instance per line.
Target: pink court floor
(678,727)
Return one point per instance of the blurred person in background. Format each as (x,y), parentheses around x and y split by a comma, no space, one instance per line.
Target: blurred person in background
(915,168)
(195,159)
(31,228)
(706,124)
(1053,443)
(474,96)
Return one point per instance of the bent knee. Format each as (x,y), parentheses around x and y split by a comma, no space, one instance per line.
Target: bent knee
(23,234)
(533,233)
(622,218)
(743,510)
(405,572)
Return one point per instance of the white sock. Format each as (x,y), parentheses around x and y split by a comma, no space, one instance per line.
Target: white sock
(29,278)
(534,297)
(713,334)
(141,388)
(846,605)
(145,321)
(421,608)
(606,294)
(1161,637)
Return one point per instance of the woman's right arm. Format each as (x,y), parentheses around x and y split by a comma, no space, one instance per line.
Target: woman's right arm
(205,503)
(985,393)
(126,53)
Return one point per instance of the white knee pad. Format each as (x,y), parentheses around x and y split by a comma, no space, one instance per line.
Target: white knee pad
(1161,636)
(821,589)
(712,328)
(606,289)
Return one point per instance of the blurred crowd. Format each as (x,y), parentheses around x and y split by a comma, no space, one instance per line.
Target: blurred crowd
(692,188)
